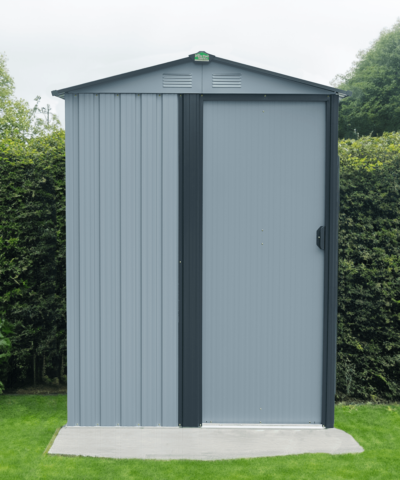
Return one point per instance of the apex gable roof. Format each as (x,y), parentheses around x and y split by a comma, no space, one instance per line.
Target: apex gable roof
(209,74)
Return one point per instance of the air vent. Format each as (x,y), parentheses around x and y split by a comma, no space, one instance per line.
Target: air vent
(233,80)
(177,80)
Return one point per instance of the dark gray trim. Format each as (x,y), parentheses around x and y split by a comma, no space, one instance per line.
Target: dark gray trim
(326,260)
(331,262)
(190,59)
(333,259)
(192,129)
(180,249)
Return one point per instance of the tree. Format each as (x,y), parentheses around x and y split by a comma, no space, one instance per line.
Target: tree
(6,81)
(15,114)
(32,235)
(17,119)
(374,80)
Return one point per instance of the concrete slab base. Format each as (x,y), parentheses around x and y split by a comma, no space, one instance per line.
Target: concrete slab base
(164,443)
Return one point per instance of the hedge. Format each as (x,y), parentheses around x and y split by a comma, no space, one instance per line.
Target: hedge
(32,263)
(32,256)
(369,266)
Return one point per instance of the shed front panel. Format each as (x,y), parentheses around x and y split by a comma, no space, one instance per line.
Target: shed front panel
(122,259)
(263,274)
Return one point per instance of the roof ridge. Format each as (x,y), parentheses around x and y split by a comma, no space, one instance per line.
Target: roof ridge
(191,58)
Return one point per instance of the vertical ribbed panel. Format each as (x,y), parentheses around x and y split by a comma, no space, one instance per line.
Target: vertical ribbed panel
(72,221)
(158,254)
(263,274)
(170,244)
(110,258)
(89,237)
(122,259)
(131,242)
(151,261)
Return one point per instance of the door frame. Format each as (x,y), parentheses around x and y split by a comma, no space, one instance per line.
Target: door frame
(190,123)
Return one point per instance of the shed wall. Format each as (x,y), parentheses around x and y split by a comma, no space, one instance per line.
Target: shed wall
(122,259)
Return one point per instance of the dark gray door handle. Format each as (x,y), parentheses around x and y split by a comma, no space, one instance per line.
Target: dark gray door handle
(321,238)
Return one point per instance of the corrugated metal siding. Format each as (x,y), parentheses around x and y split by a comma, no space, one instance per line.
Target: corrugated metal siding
(73,293)
(151,262)
(122,259)
(89,253)
(110,260)
(170,246)
(264,193)
(131,251)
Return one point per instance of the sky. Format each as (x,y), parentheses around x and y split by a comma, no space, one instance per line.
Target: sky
(52,44)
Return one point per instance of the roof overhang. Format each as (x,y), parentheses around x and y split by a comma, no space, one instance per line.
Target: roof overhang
(190,59)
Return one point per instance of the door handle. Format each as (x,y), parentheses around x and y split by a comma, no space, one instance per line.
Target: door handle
(321,238)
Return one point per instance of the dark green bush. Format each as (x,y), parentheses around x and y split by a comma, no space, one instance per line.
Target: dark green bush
(5,346)
(369,267)
(32,255)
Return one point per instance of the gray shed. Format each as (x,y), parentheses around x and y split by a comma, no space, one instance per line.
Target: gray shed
(202,226)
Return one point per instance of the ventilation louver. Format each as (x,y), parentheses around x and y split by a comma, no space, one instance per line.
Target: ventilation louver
(227,81)
(177,80)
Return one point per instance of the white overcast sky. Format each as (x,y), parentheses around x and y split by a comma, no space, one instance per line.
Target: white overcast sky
(53,44)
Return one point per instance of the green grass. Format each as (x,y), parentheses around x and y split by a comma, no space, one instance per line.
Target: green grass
(28,422)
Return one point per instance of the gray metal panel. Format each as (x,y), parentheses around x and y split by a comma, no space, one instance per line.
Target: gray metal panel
(110,258)
(89,251)
(201,75)
(151,262)
(253,82)
(173,68)
(72,220)
(131,292)
(151,82)
(264,183)
(170,245)
(158,252)
(122,259)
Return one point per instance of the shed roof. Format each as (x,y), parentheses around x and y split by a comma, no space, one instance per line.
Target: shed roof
(224,76)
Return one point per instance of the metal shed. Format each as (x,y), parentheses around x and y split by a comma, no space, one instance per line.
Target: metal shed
(202,226)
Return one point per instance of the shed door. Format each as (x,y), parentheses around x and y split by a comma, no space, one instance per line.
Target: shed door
(263,274)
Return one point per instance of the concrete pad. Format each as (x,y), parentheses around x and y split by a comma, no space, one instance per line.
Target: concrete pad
(164,443)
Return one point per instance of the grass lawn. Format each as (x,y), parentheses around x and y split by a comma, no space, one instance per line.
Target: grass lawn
(28,422)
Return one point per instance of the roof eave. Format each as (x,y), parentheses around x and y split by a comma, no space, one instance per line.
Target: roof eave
(61,92)
(262,71)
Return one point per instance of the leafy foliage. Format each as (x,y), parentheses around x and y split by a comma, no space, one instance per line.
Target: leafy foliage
(369,267)
(32,236)
(32,250)
(6,80)
(5,345)
(17,119)
(375,83)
